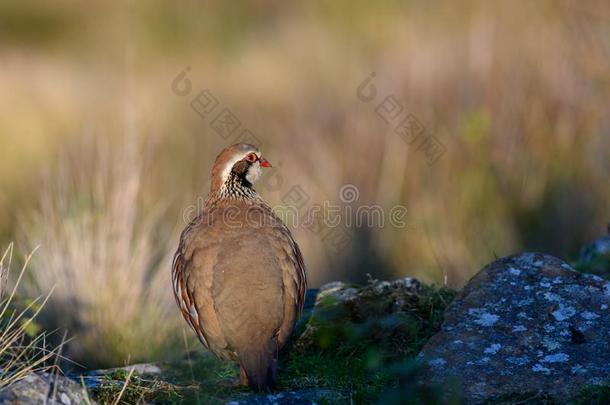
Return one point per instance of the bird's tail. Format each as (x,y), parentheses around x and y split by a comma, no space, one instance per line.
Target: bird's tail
(260,365)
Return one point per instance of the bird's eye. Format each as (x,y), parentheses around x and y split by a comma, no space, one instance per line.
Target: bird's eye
(251,157)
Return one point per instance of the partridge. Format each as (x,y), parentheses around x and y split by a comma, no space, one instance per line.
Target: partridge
(238,275)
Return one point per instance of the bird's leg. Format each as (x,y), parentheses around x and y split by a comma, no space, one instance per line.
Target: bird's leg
(243,377)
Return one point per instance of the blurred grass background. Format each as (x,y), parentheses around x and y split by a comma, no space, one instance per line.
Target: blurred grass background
(99,157)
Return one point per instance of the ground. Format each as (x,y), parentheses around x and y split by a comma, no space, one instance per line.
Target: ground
(358,344)
(355,344)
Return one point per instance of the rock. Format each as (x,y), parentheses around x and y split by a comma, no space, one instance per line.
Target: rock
(527,323)
(344,293)
(388,316)
(338,291)
(41,388)
(600,246)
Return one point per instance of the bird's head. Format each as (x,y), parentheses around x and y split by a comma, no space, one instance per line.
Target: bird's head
(238,165)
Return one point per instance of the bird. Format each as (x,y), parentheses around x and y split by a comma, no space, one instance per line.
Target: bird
(238,275)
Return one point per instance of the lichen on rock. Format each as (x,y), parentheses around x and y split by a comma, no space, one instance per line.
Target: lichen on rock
(525,323)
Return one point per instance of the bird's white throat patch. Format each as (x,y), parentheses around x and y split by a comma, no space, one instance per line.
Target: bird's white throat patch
(253,173)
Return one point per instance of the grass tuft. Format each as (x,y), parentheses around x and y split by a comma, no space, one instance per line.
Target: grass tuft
(23,348)
(106,258)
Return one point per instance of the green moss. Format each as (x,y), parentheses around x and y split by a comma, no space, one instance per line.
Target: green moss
(351,377)
(390,324)
(215,381)
(598,265)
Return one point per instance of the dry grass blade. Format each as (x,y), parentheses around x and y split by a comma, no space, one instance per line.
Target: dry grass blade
(20,353)
(4,269)
(120,395)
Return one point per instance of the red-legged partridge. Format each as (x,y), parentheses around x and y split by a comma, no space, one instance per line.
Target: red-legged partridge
(238,275)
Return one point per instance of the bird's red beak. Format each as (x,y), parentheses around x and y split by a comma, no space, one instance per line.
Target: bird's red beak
(264,162)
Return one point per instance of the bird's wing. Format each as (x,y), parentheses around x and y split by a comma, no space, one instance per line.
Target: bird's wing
(184,297)
(293,276)
(192,281)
